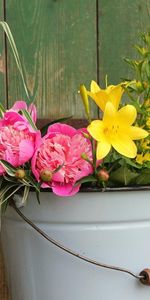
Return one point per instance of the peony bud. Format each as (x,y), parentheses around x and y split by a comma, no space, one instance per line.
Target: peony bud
(46,175)
(103,175)
(20,174)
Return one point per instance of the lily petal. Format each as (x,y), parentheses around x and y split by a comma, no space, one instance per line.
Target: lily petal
(100,98)
(84,96)
(115,94)
(103,149)
(94,87)
(109,113)
(96,130)
(127,115)
(137,133)
(124,145)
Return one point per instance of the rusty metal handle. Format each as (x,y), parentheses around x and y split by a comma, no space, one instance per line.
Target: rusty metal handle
(144,275)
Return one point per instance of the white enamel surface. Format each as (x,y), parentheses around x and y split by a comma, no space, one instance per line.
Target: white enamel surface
(112,228)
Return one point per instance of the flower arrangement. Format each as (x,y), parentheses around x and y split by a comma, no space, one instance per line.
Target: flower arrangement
(111,151)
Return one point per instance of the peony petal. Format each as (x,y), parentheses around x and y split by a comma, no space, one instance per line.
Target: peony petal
(19,105)
(12,117)
(11,158)
(82,130)
(127,115)
(33,166)
(96,129)
(59,176)
(26,150)
(65,189)
(102,150)
(124,145)
(62,128)
(32,111)
(137,133)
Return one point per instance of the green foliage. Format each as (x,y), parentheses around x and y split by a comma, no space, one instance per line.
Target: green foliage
(10,38)
(61,120)
(10,184)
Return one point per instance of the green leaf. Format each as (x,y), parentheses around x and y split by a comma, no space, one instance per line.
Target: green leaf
(2,110)
(10,179)
(147,164)
(132,163)
(4,191)
(86,179)
(3,207)
(8,165)
(143,51)
(135,64)
(25,194)
(1,181)
(10,170)
(123,175)
(27,115)
(144,177)
(33,183)
(16,55)
(61,120)
(146,69)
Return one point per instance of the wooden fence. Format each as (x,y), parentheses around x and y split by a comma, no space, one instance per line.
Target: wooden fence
(63,43)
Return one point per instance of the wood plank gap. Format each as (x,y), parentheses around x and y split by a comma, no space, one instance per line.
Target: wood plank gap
(97,47)
(6,60)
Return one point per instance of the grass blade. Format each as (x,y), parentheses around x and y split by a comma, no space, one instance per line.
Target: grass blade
(16,55)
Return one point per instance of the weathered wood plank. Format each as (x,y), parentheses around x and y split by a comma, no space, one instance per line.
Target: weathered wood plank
(3,99)
(120,22)
(57,44)
(3,283)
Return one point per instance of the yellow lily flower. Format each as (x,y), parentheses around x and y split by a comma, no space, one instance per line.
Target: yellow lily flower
(140,159)
(112,93)
(148,122)
(115,130)
(84,96)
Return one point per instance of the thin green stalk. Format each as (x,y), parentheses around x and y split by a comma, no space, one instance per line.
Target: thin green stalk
(12,43)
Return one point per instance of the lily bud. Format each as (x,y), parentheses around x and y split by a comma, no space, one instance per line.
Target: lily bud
(84,96)
(46,175)
(103,175)
(20,174)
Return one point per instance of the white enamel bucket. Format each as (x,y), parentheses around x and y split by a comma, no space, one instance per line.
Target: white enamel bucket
(110,227)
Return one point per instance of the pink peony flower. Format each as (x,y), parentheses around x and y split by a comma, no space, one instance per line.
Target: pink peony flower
(19,105)
(62,146)
(17,139)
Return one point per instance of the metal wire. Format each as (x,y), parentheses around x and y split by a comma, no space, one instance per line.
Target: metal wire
(68,250)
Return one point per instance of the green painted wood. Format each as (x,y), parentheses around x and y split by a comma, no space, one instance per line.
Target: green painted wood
(120,22)
(57,45)
(3,99)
